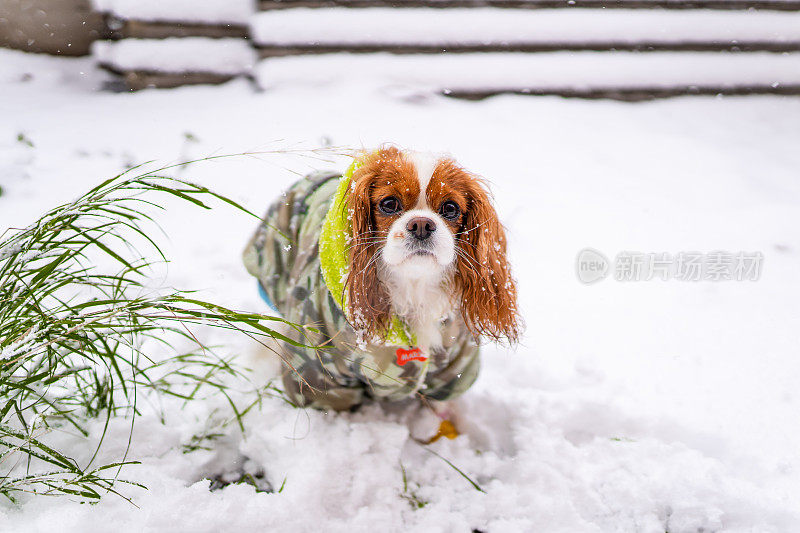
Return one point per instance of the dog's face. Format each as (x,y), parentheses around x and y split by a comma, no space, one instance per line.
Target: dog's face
(422,217)
(420,228)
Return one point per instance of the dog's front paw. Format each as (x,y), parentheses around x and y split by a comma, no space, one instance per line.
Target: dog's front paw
(432,421)
(446,429)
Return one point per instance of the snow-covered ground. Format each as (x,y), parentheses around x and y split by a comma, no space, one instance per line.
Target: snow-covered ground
(629,406)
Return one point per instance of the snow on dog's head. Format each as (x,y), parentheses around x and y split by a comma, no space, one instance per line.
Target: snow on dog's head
(426,236)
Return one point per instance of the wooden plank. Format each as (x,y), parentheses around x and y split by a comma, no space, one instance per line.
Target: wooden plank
(293,50)
(637,94)
(141,29)
(136,80)
(776,5)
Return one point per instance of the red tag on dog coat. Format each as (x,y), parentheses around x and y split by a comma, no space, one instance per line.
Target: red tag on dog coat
(404,356)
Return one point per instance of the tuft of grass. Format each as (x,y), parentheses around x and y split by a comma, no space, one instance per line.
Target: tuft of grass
(202,441)
(23,139)
(410,494)
(75,336)
(256,480)
(454,467)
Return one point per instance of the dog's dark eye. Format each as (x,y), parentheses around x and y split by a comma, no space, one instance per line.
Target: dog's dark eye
(450,210)
(389,206)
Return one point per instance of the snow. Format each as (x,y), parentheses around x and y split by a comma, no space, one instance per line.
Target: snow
(491,26)
(207,11)
(177,54)
(641,406)
(551,70)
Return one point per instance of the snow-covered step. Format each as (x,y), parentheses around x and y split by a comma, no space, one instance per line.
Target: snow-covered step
(175,61)
(627,75)
(491,29)
(781,5)
(235,12)
(157,19)
(168,43)
(191,54)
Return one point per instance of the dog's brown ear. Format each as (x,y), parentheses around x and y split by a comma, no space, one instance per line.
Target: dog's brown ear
(368,303)
(487,289)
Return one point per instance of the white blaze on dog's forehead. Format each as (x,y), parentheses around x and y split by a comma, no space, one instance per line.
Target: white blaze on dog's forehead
(425,164)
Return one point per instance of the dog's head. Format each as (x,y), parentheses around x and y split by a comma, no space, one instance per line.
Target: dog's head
(422,218)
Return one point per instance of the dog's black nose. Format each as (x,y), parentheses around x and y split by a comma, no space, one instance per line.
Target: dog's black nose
(421,227)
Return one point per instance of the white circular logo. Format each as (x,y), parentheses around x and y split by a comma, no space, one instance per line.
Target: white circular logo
(591,266)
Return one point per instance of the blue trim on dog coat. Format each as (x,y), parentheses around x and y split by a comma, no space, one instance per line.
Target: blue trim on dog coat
(265,297)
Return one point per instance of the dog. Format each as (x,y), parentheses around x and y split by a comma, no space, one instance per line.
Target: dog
(400,266)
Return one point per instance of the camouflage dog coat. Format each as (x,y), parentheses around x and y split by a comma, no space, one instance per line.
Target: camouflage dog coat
(299,255)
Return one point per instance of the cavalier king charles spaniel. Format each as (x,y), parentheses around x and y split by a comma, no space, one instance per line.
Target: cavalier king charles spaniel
(400,265)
